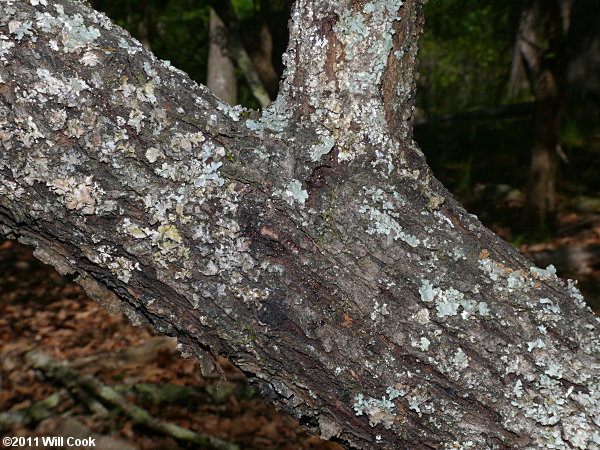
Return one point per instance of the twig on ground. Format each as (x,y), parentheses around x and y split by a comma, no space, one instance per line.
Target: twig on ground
(72,379)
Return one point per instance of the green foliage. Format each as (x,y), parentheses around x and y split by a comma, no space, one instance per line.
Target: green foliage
(571,135)
(176,30)
(465,54)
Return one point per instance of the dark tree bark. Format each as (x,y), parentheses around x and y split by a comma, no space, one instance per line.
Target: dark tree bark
(310,245)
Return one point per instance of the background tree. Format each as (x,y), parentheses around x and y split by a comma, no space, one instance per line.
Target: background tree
(467,56)
(221,71)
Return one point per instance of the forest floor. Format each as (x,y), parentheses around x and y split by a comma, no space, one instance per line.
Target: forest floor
(40,310)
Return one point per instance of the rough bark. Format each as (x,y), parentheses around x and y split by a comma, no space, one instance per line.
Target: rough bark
(220,78)
(310,245)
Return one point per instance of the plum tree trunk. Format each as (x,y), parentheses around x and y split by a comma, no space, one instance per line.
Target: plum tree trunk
(309,244)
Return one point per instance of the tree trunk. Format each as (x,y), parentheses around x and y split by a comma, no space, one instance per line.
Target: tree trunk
(221,71)
(310,245)
(226,11)
(550,99)
(262,53)
(526,52)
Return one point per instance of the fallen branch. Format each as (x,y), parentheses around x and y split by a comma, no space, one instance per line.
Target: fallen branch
(159,394)
(498,112)
(139,354)
(33,414)
(72,379)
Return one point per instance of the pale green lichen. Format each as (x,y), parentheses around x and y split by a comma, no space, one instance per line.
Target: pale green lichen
(5,46)
(448,302)
(356,31)
(414,404)
(575,293)
(72,29)
(385,223)
(169,232)
(379,411)
(460,359)
(90,59)
(538,343)
(424,344)
(518,389)
(426,291)
(152,154)
(549,307)
(484,310)
(21,29)
(324,147)
(544,274)
(166,238)
(394,393)
(296,192)
(272,120)
(135,119)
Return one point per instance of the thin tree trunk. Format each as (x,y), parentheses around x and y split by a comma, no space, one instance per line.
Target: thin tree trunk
(526,53)
(225,10)
(221,71)
(262,56)
(583,64)
(550,92)
(309,244)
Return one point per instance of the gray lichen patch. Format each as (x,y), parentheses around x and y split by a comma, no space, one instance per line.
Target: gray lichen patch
(20,29)
(296,192)
(379,411)
(383,214)
(73,32)
(324,147)
(451,302)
